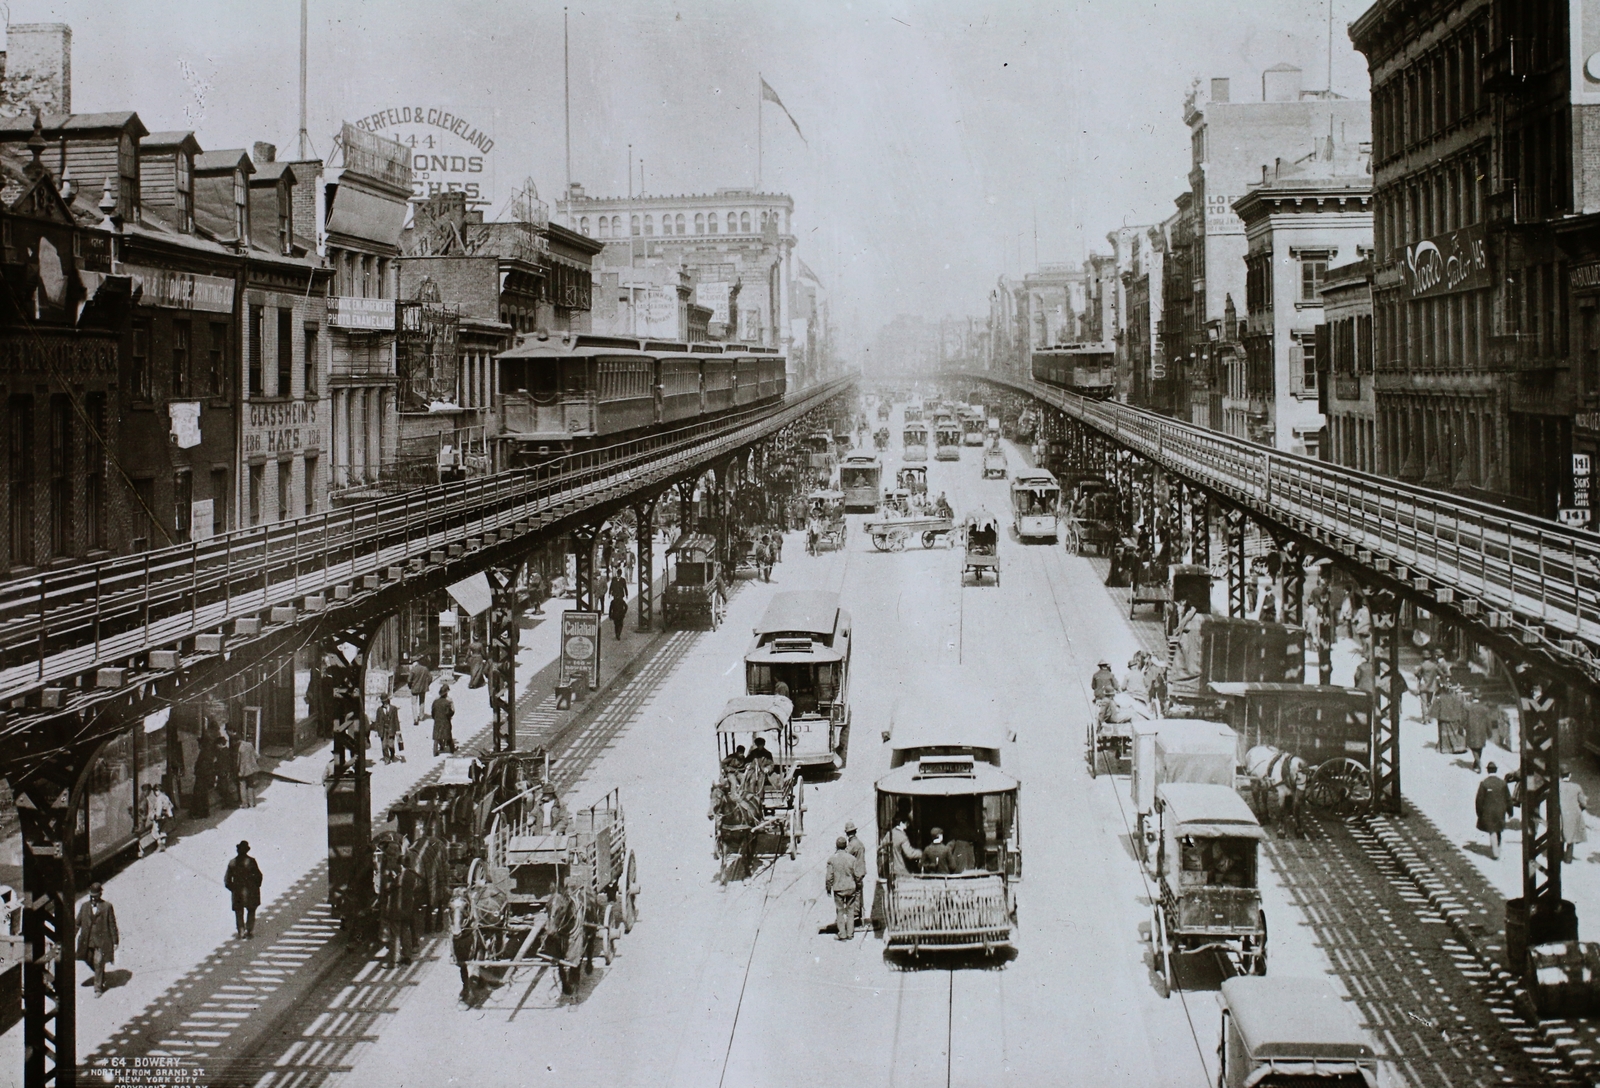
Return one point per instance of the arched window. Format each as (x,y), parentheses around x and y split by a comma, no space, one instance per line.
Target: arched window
(605,227)
(633,224)
(699,222)
(711,222)
(764,216)
(744,222)
(649,224)
(616,226)
(680,222)
(583,226)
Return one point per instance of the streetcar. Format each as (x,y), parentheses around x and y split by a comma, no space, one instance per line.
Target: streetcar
(1089,370)
(914,441)
(973,427)
(1034,498)
(803,642)
(860,478)
(947,440)
(819,454)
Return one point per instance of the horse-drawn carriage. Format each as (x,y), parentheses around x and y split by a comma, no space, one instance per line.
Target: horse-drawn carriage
(827,508)
(1288,731)
(695,593)
(758,805)
(883,411)
(1111,730)
(981,543)
(891,534)
(1207,867)
(912,479)
(1167,750)
(549,889)
(880,438)
(1091,520)
(994,461)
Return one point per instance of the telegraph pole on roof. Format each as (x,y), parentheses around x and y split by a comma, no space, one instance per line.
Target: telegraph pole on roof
(566,95)
(305,138)
(760,83)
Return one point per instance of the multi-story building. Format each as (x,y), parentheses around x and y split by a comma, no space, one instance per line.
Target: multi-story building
(1052,297)
(730,239)
(1483,181)
(1344,367)
(1230,142)
(1302,218)
(1007,327)
(1141,255)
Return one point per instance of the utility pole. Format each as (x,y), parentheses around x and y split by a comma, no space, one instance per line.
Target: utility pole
(305,137)
(566,96)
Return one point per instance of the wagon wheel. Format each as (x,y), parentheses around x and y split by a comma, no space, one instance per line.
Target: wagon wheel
(718,610)
(477,873)
(1159,947)
(881,541)
(1341,786)
(929,538)
(1260,966)
(799,807)
(1093,746)
(630,896)
(1074,539)
(897,541)
(608,940)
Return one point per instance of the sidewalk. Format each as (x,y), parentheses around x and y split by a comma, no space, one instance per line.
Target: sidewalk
(182,984)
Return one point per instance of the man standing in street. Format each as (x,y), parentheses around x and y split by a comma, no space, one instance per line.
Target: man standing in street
(421,676)
(248,765)
(97,935)
(618,613)
(536,591)
(842,884)
(1480,719)
(1574,802)
(1493,803)
(858,850)
(243,880)
(444,715)
(387,723)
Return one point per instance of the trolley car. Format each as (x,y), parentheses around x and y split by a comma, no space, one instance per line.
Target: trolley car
(1090,370)
(1034,498)
(914,439)
(803,642)
(860,478)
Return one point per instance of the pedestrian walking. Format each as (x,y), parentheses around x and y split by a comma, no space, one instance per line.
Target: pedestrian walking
(618,587)
(1452,712)
(387,723)
(1492,804)
(618,613)
(248,765)
(858,851)
(243,881)
(763,558)
(97,934)
(1361,623)
(444,715)
(1428,683)
(158,813)
(777,547)
(841,883)
(1480,720)
(1574,803)
(205,776)
(421,676)
(536,591)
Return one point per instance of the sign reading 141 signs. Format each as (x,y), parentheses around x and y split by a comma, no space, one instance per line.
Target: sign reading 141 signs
(449,153)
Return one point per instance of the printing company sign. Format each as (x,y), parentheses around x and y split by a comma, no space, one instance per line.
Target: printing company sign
(1458,261)
(371,314)
(449,153)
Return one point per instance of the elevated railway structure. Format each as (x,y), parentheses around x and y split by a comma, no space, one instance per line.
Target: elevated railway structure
(1527,587)
(87,650)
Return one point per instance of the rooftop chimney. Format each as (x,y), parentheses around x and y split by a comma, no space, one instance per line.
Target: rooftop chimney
(1280,83)
(1219,90)
(264,152)
(37,65)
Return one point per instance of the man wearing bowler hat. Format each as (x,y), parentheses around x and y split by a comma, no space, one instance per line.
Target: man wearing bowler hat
(858,850)
(243,879)
(97,935)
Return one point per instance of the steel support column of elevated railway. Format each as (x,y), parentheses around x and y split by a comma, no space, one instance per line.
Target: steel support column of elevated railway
(388,554)
(1527,588)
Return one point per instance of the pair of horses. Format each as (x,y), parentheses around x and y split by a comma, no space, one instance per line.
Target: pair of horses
(480,916)
(410,888)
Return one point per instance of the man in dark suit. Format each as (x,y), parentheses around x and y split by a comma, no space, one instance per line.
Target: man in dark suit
(936,855)
(97,935)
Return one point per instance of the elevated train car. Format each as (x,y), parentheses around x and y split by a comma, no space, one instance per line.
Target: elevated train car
(1090,369)
(564,393)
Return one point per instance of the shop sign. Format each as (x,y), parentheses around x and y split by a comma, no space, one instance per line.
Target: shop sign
(371,314)
(1582,478)
(449,153)
(714,297)
(580,648)
(281,427)
(1585,277)
(182,290)
(1446,264)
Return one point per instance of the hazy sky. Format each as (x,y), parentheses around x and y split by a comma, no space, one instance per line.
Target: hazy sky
(938,132)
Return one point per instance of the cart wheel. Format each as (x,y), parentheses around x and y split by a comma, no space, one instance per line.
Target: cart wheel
(800,806)
(630,899)
(880,541)
(794,840)
(1094,750)
(928,538)
(608,944)
(897,543)
(1159,936)
(477,873)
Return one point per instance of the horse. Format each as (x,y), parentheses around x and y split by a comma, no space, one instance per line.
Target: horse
(1277,773)
(428,859)
(395,889)
(735,813)
(572,916)
(463,941)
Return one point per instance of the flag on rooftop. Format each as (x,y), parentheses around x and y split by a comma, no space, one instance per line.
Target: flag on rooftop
(770,95)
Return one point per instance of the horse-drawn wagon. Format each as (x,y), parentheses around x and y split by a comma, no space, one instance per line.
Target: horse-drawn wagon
(1091,520)
(1167,750)
(1288,730)
(695,593)
(758,805)
(548,890)
(892,533)
(981,543)
(827,510)
(1207,867)
(994,462)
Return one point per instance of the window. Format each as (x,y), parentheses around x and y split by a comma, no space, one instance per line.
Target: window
(182,505)
(284,474)
(1308,364)
(711,222)
(185,187)
(94,471)
(744,222)
(633,224)
(680,222)
(180,358)
(258,474)
(605,227)
(311,483)
(217,359)
(1312,272)
(219,501)
(60,475)
(285,352)
(699,222)
(583,226)
(139,359)
(310,357)
(649,224)
(258,331)
(128,178)
(285,224)
(241,205)
(616,226)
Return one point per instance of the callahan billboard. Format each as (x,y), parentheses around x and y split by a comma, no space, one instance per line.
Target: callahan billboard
(449,152)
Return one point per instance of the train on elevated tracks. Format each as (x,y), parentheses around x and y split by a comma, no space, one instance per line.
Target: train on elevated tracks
(561,394)
(1088,369)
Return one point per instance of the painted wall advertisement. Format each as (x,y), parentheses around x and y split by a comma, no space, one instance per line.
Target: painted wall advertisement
(580,648)
(450,153)
(1443,265)
(1579,513)
(713,296)
(281,427)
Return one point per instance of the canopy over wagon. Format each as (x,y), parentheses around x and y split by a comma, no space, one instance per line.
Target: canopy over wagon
(757,802)
(912,478)
(1291,1030)
(695,593)
(1167,750)
(994,462)
(981,543)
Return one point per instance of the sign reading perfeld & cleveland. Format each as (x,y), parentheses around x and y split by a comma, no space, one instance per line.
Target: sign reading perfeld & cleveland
(1447,263)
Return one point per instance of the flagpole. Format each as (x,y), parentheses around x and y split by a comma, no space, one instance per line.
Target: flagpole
(759,96)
